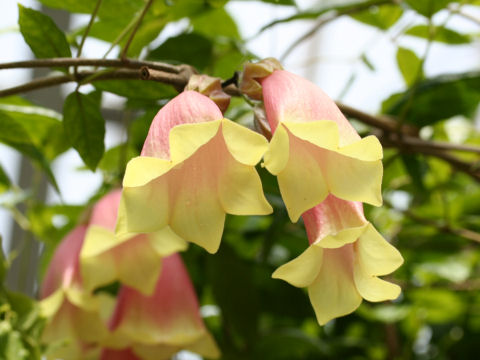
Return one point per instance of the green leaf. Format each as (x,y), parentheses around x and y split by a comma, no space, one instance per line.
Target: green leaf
(382,17)
(193,49)
(281,2)
(428,7)
(290,344)
(43,125)
(437,99)
(3,264)
(137,89)
(342,6)
(431,304)
(410,65)
(84,127)
(14,134)
(5,182)
(214,23)
(440,34)
(74,6)
(231,279)
(41,34)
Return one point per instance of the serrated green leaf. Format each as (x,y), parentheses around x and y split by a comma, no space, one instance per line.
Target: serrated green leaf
(42,35)
(84,127)
(427,7)
(409,65)
(440,34)
(185,48)
(382,17)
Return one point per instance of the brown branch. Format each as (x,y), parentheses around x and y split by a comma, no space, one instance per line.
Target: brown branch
(381,122)
(66,62)
(91,76)
(178,76)
(402,144)
(465,233)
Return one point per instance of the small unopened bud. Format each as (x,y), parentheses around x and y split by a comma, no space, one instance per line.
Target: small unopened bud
(211,87)
(260,121)
(252,72)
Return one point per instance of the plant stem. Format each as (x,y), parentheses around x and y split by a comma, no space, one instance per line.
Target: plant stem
(123,54)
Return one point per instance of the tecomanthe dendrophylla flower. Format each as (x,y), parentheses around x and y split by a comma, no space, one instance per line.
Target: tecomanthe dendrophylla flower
(194,168)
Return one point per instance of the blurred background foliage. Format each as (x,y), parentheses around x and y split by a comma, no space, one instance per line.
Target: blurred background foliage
(432,203)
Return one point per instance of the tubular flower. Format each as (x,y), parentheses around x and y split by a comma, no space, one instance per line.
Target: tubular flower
(342,264)
(73,315)
(194,168)
(314,150)
(135,260)
(156,327)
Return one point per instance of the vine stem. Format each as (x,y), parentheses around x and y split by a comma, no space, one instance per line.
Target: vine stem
(178,76)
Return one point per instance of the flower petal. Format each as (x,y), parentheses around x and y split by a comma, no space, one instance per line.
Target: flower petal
(332,216)
(343,237)
(333,293)
(186,108)
(198,216)
(240,190)
(322,133)
(169,317)
(245,145)
(186,139)
(291,98)
(143,169)
(206,181)
(376,255)
(372,288)
(303,270)
(144,209)
(276,157)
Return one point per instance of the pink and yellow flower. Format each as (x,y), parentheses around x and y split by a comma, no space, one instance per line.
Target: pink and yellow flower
(133,259)
(314,150)
(342,264)
(75,319)
(157,326)
(194,168)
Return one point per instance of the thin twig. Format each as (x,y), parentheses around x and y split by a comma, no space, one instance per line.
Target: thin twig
(381,122)
(462,232)
(87,30)
(324,20)
(123,54)
(65,62)
(399,142)
(168,78)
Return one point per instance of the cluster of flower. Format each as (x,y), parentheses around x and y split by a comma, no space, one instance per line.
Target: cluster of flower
(196,167)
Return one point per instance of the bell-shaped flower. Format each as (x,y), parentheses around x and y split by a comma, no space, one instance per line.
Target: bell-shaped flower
(157,326)
(194,168)
(314,150)
(76,320)
(133,259)
(342,264)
